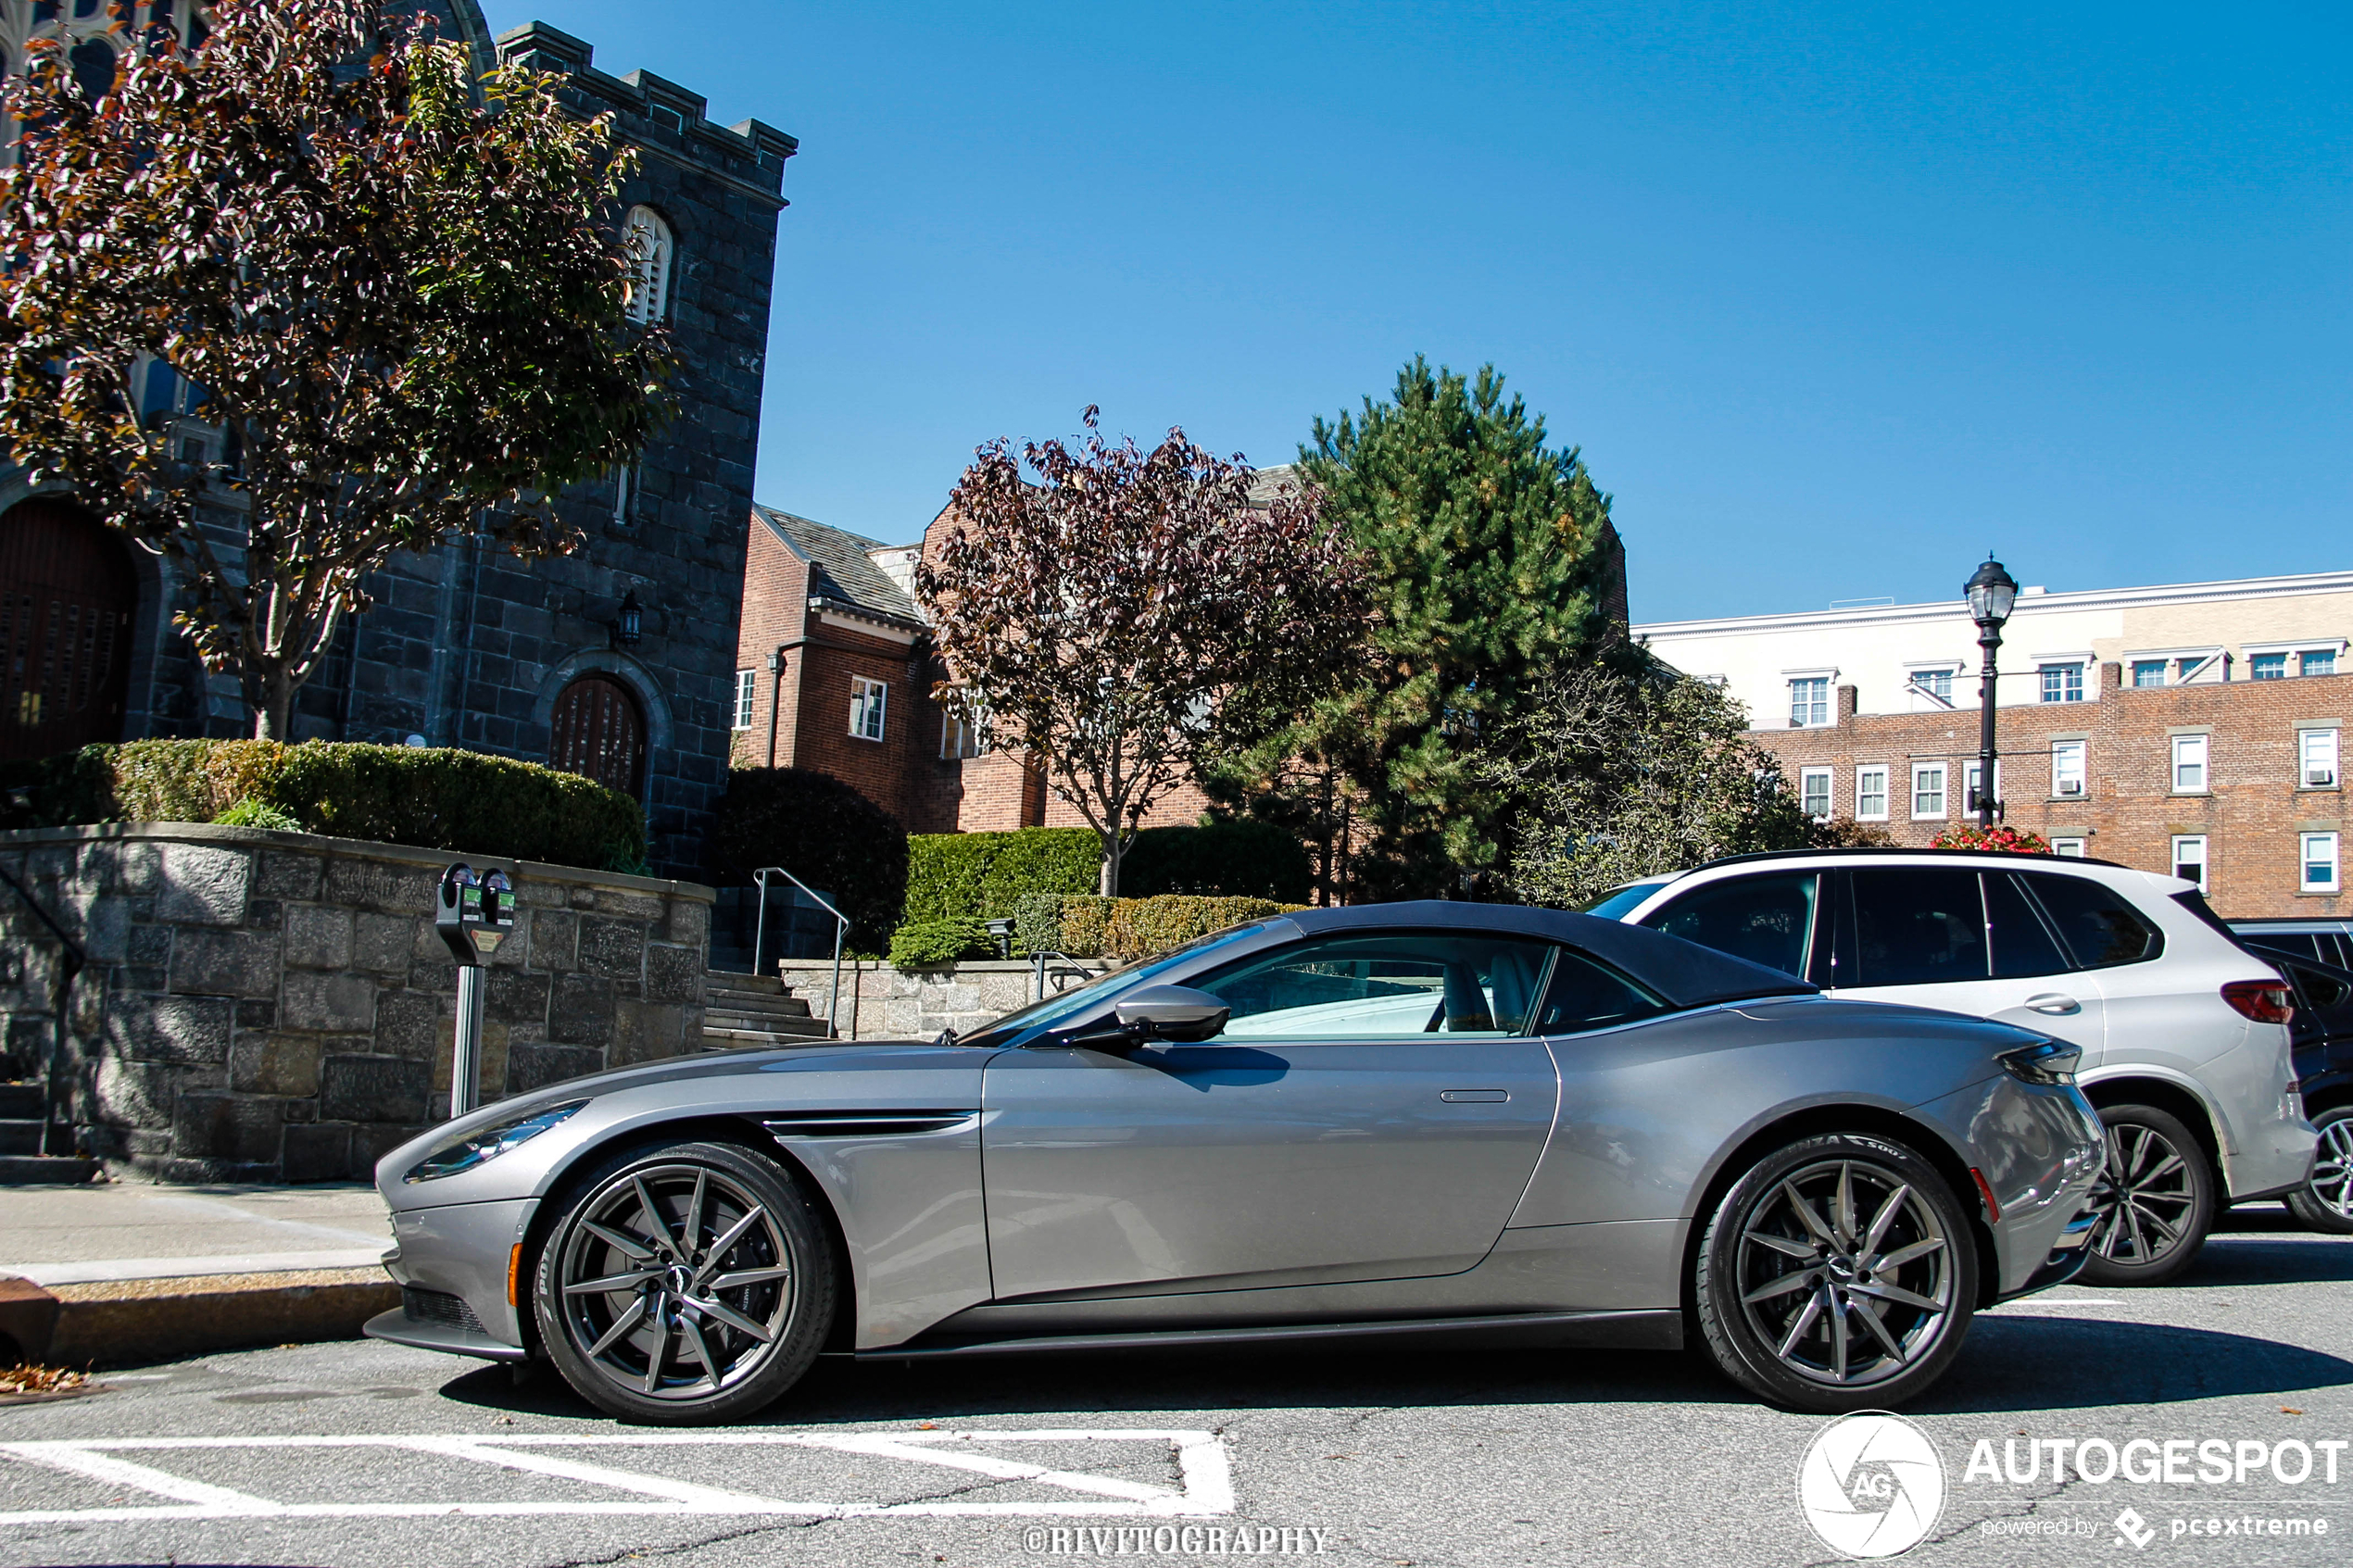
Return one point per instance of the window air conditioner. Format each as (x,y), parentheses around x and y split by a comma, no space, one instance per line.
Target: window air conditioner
(2070,786)
(2320,778)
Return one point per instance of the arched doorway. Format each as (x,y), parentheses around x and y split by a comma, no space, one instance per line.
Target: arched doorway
(598,732)
(66,594)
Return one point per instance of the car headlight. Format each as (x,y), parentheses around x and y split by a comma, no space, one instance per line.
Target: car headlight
(488,1143)
(2051,1061)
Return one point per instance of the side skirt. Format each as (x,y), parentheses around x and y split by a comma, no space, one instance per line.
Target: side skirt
(1657,1330)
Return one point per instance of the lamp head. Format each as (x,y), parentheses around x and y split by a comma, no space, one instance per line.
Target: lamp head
(1992,594)
(628,627)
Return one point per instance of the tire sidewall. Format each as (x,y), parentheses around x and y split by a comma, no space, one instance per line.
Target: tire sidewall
(785,1193)
(2204,1183)
(1734,1345)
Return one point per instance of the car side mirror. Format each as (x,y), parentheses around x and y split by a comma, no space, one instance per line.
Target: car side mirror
(1175,1013)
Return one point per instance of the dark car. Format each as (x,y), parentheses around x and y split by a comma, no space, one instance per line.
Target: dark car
(2322,1030)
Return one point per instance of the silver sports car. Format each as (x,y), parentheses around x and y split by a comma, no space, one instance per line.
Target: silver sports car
(1471,1124)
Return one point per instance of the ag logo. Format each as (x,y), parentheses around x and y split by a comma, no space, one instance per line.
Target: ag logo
(1871,1485)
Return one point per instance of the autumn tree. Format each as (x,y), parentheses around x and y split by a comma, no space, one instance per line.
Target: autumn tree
(393,305)
(1102,609)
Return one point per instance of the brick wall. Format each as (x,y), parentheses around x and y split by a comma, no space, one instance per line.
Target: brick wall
(2252,813)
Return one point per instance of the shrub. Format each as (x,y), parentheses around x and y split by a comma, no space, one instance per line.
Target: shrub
(2017,841)
(433,798)
(985,875)
(931,943)
(821,831)
(1236,858)
(1845,833)
(252,813)
(1141,927)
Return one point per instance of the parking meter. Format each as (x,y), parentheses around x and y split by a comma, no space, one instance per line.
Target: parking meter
(473,912)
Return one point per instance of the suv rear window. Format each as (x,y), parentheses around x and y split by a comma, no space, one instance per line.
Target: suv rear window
(2101,928)
(1767,919)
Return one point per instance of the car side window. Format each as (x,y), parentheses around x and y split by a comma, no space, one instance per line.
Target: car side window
(1767,919)
(2101,928)
(2294,944)
(1385,987)
(1918,926)
(1587,995)
(2022,944)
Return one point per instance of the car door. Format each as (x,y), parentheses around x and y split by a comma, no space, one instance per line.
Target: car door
(2322,1028)
(1963,939)
(1371,1110)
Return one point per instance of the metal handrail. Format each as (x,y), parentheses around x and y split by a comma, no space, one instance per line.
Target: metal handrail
(841,927)
(1070,966)
(56,1131)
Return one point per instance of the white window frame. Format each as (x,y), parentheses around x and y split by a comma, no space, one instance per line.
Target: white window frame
(746,698)
(2164,667)
(869,708)
(1807,779)
(1916,683)
(1871,780)
(2334,657)
(2061,666)
(2068,848)
(2255,659)
(2182,747)
(2062,751)
(2181,844)
(2313,849)
(1921,771)
(2316,758)
(961,738)
(1827,707)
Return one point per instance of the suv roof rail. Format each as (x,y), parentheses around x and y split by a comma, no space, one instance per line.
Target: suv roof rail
(1901,849)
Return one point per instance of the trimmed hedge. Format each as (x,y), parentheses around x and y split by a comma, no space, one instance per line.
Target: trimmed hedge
(984,875)
(1241,859)
(930,943)
(433,798)
(1085,926)
(821,831)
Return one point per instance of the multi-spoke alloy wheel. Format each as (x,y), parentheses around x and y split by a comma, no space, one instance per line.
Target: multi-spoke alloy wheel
(2325,1203)
(682,1285)
(1838,1274)
(2155,1200)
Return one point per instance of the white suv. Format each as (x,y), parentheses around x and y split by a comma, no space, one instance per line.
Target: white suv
(2184,1033)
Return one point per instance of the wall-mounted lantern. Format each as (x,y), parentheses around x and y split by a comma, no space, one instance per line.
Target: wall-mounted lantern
(629,626)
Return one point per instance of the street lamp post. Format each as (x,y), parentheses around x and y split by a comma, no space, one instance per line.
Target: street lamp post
(1990,594)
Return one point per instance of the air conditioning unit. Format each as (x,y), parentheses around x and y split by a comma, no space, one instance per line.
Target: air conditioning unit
(2320,778)
(2070,786)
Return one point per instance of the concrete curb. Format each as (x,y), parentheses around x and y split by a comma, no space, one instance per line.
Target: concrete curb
(114,1322)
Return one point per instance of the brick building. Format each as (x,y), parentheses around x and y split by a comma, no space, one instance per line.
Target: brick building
(466,646)
(2192,727)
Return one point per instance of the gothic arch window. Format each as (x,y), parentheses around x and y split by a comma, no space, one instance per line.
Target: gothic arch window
(652,250)
(93,41)
(598,732)
(66,594)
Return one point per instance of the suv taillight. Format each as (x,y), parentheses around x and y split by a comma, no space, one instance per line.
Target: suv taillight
(2265,1001)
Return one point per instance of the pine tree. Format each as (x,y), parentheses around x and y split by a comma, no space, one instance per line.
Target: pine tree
(1491,558)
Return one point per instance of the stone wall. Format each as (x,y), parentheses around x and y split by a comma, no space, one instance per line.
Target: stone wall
(882,1003)
(277,1007)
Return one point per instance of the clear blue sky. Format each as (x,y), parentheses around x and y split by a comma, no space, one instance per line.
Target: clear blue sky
(1834,298)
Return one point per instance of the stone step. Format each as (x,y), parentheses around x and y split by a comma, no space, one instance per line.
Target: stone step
(26,1169)
(722,1019)
(731,980)
(20,1102)
(19,1138)
(735,1039)
(753,1001)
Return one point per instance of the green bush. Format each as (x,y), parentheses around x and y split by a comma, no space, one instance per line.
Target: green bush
(1085,926)
(252,813)
(985,875)
(821,831)
(1237,859)
(433,798)
(929,943)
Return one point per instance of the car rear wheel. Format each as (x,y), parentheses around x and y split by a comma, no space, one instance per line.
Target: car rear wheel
(2155,1200)
(685,1284)
(2325,1203)
(1838,1274)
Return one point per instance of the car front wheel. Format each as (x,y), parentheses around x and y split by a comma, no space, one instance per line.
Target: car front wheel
(685,1284)
(2155,1200)
(2325,1203)
(1838,1274)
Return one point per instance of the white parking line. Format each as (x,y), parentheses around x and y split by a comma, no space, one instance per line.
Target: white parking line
(1201,1458)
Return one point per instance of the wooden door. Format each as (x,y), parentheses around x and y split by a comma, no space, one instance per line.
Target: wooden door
(599,733)
(67,597)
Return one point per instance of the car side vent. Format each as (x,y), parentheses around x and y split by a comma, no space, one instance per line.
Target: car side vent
(436,1306)
(863,1123)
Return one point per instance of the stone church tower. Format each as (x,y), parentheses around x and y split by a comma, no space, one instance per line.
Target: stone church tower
(467,645)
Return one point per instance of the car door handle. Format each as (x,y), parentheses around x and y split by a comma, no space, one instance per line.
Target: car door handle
(2053,1002)
(1475,1097)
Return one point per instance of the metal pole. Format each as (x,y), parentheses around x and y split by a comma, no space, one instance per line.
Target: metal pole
(760,927)
(833,1008)
(1990,639)
(465,1061)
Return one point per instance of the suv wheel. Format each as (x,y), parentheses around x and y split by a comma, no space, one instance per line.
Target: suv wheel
(1837,1275)
(2325,1203)
(2155,1198)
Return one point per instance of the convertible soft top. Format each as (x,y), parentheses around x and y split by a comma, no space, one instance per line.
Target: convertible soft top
(1684,973)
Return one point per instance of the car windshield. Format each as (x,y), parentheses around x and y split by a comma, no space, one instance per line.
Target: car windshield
(1614,903)
(1067,1005)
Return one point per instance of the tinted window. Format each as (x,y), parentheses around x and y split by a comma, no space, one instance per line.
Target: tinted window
(2100,927)
(1918,926)
(2022,945)
(1375,987)
(1614,904)
(2295,944)
(1584,995)
(1767,919)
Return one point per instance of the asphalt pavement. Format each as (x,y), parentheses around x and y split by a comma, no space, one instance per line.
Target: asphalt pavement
(370,1454)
